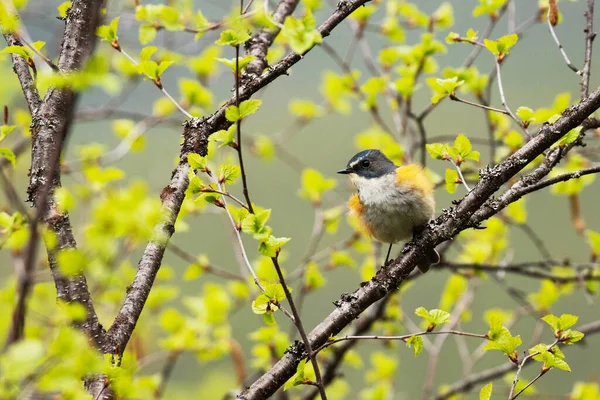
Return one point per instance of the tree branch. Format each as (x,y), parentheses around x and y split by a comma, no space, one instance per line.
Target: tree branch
(51,122)
(259,43)
(450,223)
(195,134)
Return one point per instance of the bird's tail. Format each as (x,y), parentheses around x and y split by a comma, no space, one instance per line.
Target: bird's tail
(432,257)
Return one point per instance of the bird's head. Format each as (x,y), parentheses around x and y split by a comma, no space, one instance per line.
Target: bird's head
(368,165)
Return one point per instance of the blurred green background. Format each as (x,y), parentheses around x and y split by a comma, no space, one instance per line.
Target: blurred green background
(533,75)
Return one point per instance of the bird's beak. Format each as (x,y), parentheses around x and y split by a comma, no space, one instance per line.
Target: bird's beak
(344,171)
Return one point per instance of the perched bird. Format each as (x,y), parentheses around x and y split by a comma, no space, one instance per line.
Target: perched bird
(393,202)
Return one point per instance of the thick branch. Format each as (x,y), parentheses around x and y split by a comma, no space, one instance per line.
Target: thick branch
(195,134)
(259,43)
(450,223)
(50,125)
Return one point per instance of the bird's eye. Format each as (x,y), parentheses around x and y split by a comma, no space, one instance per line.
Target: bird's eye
(366,163)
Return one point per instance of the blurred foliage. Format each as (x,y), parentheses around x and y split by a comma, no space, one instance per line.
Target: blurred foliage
(116,214)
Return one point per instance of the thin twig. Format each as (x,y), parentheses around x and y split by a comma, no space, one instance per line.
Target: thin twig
(159,86)
(404,338)
(520,367)
(239,123)
(239,239)
(298,323)
(505,104)
(542,372)
(560,47)
(460,175)
(165,374)
(453,97)
(232,197)
(590,35)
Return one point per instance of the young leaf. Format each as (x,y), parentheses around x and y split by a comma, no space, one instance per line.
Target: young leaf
(225,137)
(434,317)
(559,324)
(196,161)
(452,180)
(486,392)
(438,151)
(228,173)
(416,343)
(233,38)
(272,246)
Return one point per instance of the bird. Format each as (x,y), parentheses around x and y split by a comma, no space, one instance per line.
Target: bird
(392,202)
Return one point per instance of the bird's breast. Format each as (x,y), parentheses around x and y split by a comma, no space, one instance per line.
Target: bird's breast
(390,211)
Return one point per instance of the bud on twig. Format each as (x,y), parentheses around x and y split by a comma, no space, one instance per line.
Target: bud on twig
(553,15)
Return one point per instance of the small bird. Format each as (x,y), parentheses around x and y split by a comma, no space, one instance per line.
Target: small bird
(393,202)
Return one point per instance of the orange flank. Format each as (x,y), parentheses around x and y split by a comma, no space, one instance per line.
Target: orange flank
(356,209)
(414,176)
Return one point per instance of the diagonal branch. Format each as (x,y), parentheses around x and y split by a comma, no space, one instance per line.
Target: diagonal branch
(450,223)
(195,134)
(259,43)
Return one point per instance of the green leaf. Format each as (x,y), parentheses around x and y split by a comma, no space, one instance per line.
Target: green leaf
(569,336)
(438,151)
(501,47)
(301,34)
(5,130)
(63,8)
(434,317)
(64,199)
(147,53)
(108,33)
(242,62)
(489,7)
(569,137)
(305,109)
(146,33)
(225,138)
(558,324)
(313,279)
(314,185)
(517,211)
(272,246)
(263,146)
(526,114)
(249,107)
(416,343)
(443,87)
(196,161)
(452,180)
(163,66)
(463,145)
(71,261)
(502,340)
(9,155)
(254,224)
(486,392)
(233,38)
(228,173)
(298,378)
(593,239)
